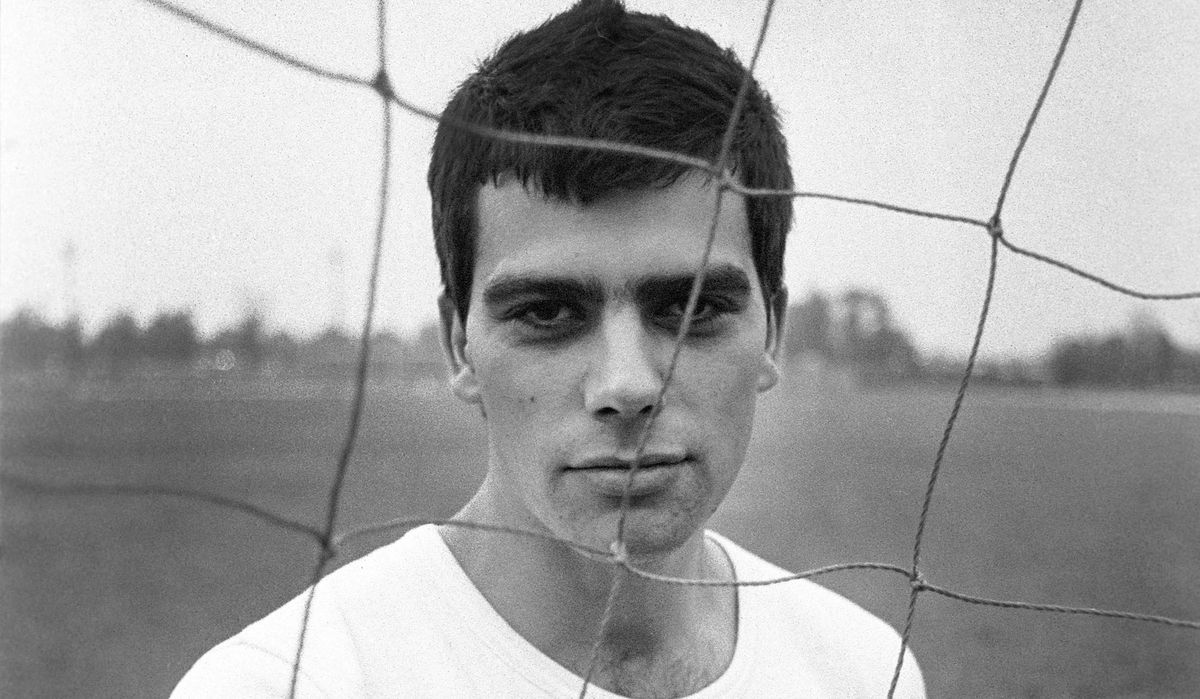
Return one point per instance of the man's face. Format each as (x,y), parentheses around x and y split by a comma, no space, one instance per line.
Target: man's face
(572,321)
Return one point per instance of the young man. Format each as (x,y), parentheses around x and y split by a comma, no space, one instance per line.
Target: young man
(566,275)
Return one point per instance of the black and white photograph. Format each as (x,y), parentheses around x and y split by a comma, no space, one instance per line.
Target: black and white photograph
(599,348)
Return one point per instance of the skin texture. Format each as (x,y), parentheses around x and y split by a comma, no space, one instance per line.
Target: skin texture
(572,320)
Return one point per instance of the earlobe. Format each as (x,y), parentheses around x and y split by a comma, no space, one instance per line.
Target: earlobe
(463,382)
(769,372)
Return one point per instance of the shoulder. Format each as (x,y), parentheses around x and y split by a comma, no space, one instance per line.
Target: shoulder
(237,668)
(843,644)
(258,661)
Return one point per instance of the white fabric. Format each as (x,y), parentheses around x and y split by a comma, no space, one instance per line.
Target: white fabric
(406,621)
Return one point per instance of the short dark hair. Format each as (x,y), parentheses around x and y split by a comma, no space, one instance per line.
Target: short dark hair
(599,71)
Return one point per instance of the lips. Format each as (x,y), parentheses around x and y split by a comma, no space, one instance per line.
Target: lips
(624,462)
(612,476)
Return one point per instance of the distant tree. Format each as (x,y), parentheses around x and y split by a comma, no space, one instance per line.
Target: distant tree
(388,348)
(73,348)
(335,343)
(856,328)
(1068,363)
(1152,354)
(251,341)
(118,345)
(26,342)
(1143,355)
(247,341)
(172,337)
(282,350)
(1186,369)
(864,333)
(808,326)
(330,353)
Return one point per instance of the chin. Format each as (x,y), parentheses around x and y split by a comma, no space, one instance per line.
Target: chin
(655,534)
(656,525)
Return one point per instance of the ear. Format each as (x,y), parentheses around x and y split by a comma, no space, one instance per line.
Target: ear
(454,347)
(769,372)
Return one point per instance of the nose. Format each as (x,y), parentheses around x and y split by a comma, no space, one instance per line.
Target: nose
(625,378)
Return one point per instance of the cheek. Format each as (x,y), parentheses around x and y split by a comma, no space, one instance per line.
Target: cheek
(732,376)
(727,394)
(518,389)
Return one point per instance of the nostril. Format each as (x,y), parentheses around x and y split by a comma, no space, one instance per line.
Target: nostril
(610,411)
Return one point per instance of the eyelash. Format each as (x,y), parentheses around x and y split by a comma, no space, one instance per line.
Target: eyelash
(524,314)
(567,319)
(716,306)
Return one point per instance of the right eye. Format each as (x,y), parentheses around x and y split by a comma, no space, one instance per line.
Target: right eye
(545,319)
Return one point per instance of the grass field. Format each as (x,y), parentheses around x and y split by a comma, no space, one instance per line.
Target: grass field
(1077,499)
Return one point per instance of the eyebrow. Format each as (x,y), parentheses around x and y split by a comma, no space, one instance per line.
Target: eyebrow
(724,278)
(506,289)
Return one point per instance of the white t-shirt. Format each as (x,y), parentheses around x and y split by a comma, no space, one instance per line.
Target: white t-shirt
(406,621)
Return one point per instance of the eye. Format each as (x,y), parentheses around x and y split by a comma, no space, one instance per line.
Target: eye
(709,311)
(704,309)
(544,314)
(544,319)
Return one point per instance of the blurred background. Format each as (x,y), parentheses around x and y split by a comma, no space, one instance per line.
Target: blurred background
(185,231)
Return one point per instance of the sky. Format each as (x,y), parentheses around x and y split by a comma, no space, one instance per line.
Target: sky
(149,166)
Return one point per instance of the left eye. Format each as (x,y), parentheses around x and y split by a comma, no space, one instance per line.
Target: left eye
(707,310)
(545,314)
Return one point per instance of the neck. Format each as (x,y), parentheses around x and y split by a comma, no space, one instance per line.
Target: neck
(555,597)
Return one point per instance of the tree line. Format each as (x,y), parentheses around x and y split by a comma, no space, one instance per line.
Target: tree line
(171,345)
(854,331)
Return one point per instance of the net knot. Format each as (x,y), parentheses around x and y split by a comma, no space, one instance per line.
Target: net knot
(917,581)
(383,85)
(620,555)
(726,180)
(994,227)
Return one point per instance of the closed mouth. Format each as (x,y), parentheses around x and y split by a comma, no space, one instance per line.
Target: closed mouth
(624,464)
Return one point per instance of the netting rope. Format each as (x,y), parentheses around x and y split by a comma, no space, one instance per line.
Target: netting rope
(330,541)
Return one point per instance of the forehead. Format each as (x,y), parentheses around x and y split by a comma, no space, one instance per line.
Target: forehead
(624,236)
